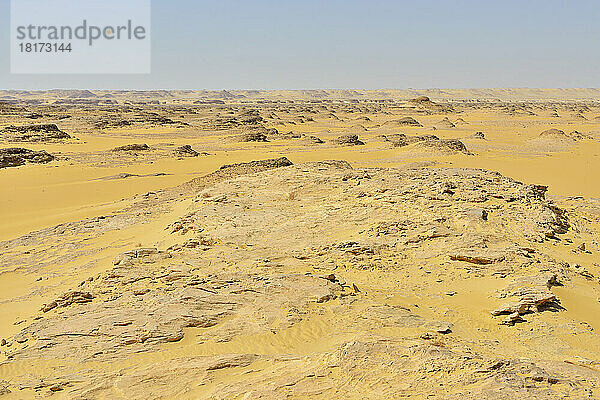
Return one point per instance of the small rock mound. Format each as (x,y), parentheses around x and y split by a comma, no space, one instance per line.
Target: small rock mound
(429,142)
(478,135)
(109,123)
(260,165)
(396,139)
(448,146)
(250,117)
(33,133)
(233,170)
(445,124)
(406,121)
(132,147)
(425,102)
(554,133)
(262,130)
(313,140)
(401,140)
(555,140)
(14,157)
(348,140)
(557,134)
(358,128)
(420,100)
(252,137)
(186,151)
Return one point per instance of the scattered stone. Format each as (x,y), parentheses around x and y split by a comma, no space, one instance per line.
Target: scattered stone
(512,319)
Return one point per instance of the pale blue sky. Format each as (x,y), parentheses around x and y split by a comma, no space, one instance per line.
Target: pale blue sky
(271,44)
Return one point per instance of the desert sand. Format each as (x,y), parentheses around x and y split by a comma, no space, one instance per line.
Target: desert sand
(334,244)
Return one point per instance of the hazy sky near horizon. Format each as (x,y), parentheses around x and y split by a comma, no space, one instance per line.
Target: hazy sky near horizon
(295,44)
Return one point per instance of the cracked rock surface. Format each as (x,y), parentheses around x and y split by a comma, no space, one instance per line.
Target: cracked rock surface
(316,280)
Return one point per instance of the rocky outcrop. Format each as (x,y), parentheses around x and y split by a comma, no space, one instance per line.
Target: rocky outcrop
(67,299)
(367,268)
(33,133)
(140,256)
(530,294)
(14,157)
